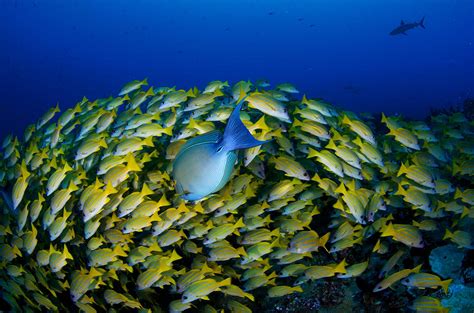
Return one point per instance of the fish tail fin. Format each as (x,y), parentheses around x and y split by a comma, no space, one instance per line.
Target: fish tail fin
(312,153)
(16,251)
(275,243)
(456,168)
(305,100)
(324,240)
(238,225)
(331,145)
(148,141)
(146,191)
(190,93)
(109,189)
(403,170)
(168,130)
(268,219)
(150,92)
(339,205)
(218,93)
(341,267)
(198,208)
(94,272)
(206,269)
(67,254)
(192,124)
(389,231)
(77,108)
(358,141)
(155,217)
(445,285)
(72,186)
(126,98)
(457,194)
(236,135)
(163,201)
(400,191)
(132,165)
(346,120)
(144,82)
(336,135)
(341,189)
(448,234)
(417,269)
(67,168)
(24,170)
(225,282)
(421,22)
(175,256)
(297,123)
(272,275)
(241,251)
(249,296)
(103,143)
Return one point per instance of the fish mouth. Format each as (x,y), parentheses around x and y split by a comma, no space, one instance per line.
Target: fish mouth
(184,194)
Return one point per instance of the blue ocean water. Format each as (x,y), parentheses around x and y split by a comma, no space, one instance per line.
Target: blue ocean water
(58,51)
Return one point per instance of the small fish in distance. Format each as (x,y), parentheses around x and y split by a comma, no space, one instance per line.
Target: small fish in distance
(403,27)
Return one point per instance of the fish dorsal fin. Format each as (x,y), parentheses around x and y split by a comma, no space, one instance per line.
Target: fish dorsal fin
(402,22)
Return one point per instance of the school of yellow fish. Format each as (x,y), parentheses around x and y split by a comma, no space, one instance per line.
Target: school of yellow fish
(91,219)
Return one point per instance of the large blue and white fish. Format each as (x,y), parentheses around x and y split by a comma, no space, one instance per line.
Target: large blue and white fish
(204,163)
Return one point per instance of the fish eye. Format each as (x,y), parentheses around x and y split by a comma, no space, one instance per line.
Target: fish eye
(407,280)
(305,174)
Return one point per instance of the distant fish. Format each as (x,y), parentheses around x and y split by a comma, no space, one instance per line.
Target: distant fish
(300,19)
(403,27)
(271,13)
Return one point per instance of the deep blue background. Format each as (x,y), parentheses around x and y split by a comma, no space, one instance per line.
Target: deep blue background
(62,50)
